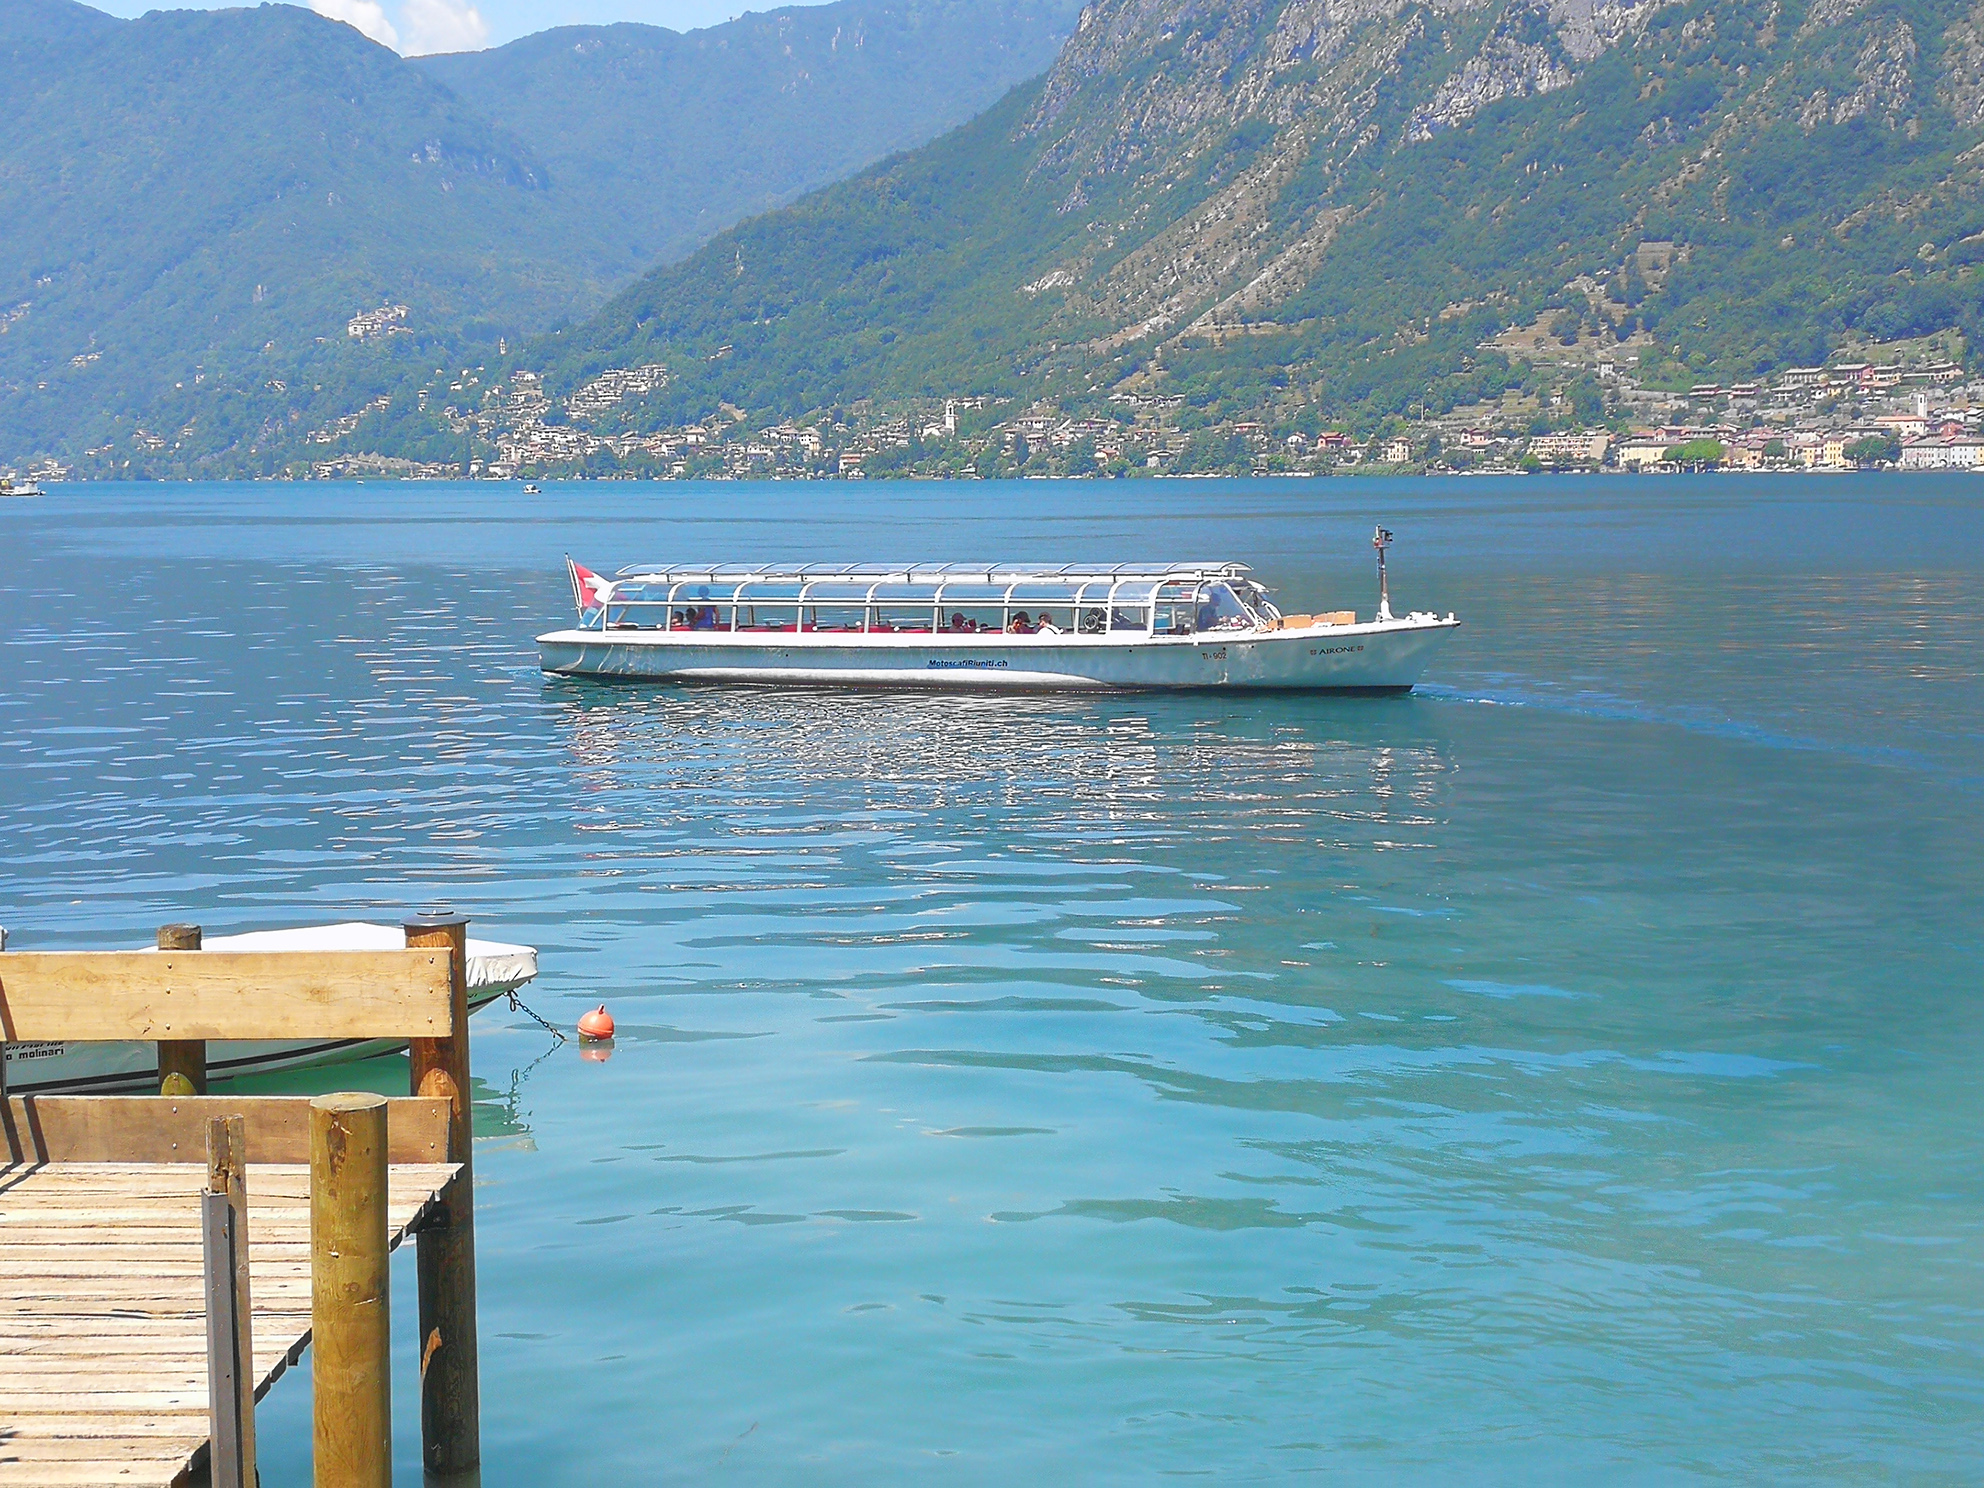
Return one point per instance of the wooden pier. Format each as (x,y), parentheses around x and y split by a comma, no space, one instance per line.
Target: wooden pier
(164,1259)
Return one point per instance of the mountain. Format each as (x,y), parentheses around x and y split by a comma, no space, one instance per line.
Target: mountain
(1344,209)
(673,137)
(227,235)
(169,217)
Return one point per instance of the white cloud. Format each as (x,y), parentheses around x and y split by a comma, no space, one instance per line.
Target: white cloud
(442,26)
(367,17)
(493,22)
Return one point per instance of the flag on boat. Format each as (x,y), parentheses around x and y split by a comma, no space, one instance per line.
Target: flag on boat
(589,590)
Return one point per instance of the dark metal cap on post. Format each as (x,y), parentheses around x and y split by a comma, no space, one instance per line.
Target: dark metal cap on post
(435,917)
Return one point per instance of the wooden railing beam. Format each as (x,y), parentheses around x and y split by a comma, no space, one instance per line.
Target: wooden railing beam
(147,1128)
(80,996)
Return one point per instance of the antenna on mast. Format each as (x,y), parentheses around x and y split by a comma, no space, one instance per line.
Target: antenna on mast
(1381,539)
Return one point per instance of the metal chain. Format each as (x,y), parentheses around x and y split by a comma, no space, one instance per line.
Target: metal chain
(517,1004)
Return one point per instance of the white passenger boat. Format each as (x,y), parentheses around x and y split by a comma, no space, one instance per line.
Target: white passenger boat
(956,625)
(494,968)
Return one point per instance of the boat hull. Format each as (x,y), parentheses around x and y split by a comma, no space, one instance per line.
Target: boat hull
(1388,656)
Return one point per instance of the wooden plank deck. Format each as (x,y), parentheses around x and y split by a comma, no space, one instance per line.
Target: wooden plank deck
(103,1354)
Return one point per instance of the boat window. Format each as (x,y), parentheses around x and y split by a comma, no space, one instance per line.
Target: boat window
(1130,617)
(956,593)
(1256,599)
(767,617)
(1031,596)
(970,619)
(1219,608)
(1177,609)
(832,617)
(836,594)
(697,613)
(900,617)
(689,606)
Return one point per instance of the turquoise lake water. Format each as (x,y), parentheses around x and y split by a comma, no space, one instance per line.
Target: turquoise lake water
(1572,1072)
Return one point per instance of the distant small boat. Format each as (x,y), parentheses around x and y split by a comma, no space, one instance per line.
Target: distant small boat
(10,487)
(957,625)
(494,969)
(532,488)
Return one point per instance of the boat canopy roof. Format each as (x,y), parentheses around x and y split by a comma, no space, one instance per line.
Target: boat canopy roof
(938,583)
(999,574)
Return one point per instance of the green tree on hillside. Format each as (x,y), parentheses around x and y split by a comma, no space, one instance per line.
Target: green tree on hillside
(1695,454)
(1874,449)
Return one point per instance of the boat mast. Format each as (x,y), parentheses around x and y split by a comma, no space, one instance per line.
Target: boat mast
(1381,540)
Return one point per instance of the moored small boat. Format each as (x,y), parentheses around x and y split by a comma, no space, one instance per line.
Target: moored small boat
(494,969)
(955,625)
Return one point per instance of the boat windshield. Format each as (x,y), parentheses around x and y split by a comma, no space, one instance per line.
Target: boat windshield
(1220,609)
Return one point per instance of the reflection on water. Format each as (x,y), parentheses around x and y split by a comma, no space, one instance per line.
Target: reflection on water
(1099,771)
(1566,1071)
(498,1110)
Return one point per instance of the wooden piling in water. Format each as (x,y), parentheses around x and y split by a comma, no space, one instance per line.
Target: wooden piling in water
(182,1063)
(230,1309)
(350,1294)
(450,1388)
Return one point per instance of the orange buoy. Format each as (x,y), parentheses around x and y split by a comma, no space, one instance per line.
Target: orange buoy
(597,1024)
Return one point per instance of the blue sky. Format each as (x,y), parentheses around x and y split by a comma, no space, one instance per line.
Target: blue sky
(417,26)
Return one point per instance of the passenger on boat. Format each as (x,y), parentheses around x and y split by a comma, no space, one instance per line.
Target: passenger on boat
(1046,625)
(1020,624)
(962,622)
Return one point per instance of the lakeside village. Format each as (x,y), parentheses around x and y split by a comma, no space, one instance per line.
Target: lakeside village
(1901,405)
(1916,414)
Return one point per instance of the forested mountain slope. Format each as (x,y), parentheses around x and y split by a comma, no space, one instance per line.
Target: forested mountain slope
(673,137)
(1340,203)
(195,205)
(196,197)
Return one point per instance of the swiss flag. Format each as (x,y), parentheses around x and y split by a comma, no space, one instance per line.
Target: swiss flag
(589,590)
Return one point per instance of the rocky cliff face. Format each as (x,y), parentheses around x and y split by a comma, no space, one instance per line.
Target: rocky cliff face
(1271,109)
(1224,155)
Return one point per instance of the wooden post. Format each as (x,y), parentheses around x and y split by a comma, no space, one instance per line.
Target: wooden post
(182,1063)
(350,1294)
(450,1390)
(230,1346)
